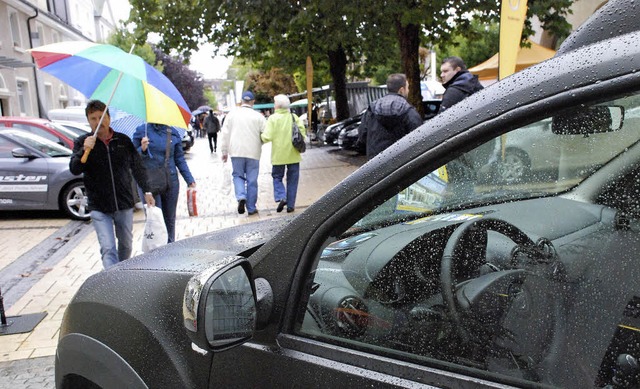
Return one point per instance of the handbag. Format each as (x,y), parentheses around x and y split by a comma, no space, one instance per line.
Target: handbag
(296,137)
(158,178)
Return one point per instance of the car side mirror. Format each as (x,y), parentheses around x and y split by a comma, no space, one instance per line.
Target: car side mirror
(20,152)
(219,307)
(588,120)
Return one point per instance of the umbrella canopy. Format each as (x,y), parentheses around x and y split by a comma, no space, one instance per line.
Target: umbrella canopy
(527,56)
(93,69)
(126,123)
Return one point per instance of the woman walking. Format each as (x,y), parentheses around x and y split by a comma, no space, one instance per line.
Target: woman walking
(150,140)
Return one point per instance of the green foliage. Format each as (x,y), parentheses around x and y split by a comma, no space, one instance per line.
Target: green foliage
(477,48)
(212,101)
(124,39)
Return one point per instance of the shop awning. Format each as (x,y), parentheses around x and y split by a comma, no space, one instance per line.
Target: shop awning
(527,56)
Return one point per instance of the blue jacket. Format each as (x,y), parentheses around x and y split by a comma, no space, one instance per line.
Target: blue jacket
(154,156)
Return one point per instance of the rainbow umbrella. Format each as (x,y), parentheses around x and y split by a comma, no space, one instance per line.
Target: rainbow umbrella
(94,70)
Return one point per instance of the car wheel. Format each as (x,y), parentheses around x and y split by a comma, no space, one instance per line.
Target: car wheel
(514,166)
(73,201)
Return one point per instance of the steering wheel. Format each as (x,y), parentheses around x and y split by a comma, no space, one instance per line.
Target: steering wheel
(502,309)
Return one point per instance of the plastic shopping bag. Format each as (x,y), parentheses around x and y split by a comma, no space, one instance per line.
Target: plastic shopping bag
(155,231)
(191,202)
(226,183)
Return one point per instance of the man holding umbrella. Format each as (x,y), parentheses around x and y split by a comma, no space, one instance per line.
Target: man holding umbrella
(108,181)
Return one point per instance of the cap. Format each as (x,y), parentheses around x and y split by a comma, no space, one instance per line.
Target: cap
(247,96)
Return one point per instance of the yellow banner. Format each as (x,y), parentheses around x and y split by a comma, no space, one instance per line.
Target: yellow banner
(512,15)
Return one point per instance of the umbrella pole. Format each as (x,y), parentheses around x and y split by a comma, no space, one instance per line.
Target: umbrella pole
(85,156)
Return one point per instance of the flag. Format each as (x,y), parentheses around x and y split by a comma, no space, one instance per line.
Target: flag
(512,15)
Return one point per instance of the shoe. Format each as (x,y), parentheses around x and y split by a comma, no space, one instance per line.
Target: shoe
(252,212)
(241,204)
(289,210)
(281,205)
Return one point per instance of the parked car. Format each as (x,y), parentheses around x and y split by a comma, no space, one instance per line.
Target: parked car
(348,138)
(34,174)
(75,127)
(411,272)
(349,131)
(332,131)
(187,140)
(42,127)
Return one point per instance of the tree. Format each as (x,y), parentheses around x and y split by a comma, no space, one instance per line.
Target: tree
(282,33)
(278,33)
(188,82)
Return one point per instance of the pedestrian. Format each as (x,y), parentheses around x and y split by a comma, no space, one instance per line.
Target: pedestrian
(108,180)
(197,124)
(457,81)
(459,84)
(388,118)
(212,126)
(150,140)
(283,155)
(240,139)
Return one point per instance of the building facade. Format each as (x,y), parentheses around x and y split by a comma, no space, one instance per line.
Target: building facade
(25,90)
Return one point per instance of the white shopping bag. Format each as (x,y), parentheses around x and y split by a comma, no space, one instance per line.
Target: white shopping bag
(226,183)
(155,231)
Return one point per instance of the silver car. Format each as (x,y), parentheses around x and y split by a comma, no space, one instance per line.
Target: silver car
(34,174)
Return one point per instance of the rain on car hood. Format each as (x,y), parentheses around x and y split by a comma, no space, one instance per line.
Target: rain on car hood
(195,254)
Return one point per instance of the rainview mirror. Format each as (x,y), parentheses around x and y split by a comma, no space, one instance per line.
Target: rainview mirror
(589,120)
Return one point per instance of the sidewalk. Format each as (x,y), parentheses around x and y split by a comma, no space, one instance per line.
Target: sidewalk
(321,169)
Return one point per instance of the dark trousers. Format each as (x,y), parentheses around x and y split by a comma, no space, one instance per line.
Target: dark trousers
(213,136)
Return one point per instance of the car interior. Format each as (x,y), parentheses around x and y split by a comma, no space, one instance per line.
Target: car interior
(531,281)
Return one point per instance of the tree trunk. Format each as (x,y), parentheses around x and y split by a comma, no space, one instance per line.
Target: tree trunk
(409,38)
(338,70)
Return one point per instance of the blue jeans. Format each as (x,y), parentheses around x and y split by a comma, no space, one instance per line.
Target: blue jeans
(245,180)
(293,175)
(105,224)
(168,202)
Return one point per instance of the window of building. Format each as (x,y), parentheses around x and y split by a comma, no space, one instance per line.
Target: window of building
(14,23)
(22,90)
(39,40)
(55,37)
(48,96)
(63,97)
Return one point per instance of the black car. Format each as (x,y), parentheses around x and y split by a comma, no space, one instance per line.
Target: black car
(415,271)
(348,135)
(332,132)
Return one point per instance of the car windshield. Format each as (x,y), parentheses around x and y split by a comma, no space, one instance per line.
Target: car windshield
(64,130)
(544,158)
(41,144)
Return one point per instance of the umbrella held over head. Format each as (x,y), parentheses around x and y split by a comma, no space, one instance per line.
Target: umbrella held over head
(125,81)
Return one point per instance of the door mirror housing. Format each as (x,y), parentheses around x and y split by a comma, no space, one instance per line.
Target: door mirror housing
(21,152)
(219,307)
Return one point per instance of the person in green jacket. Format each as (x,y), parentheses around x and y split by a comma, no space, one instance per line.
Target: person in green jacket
(284,157)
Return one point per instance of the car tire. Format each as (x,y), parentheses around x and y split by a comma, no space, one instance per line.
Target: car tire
(73,201)
(514,166)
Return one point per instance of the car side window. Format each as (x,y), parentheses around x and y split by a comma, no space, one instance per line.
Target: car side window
(38,131)
(5,148)
(496,261)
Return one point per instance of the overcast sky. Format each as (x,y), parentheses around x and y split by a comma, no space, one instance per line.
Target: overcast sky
(201,60)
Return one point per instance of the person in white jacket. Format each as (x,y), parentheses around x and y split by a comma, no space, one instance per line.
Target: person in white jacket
(240,139)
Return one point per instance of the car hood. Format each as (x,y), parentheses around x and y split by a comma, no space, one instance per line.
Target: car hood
(193,255)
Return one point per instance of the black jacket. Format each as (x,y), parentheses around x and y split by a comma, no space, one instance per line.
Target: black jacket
(107,172)
(385,121)
(212,124)
(462,85)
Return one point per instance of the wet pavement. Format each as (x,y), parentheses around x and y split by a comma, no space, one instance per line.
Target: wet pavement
(45,257)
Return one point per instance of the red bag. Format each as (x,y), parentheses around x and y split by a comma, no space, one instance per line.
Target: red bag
(191,202)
